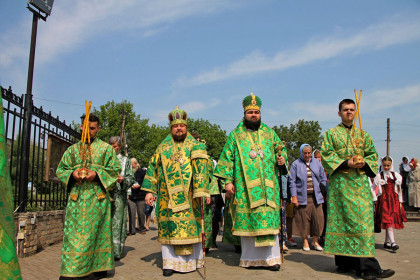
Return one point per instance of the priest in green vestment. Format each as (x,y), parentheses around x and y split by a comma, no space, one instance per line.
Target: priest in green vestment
(119,199)
(350,158)
(87,240)
(213,190)
(177,175)
(250,163)
(9,265)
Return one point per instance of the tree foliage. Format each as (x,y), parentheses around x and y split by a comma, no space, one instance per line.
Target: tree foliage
(297,134)
(214,136)
(142,139)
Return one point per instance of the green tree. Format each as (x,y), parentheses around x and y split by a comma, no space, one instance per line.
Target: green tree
(214,136)
(136,129)
(155,136)
(297,134)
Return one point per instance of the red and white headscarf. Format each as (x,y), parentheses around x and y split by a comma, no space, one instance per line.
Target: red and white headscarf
(413,162)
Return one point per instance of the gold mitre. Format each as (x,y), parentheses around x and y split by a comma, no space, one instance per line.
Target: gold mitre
(251,102)
(177,116)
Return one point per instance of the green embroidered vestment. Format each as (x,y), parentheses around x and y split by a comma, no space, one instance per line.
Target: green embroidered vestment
(119,206)
(87,239)
(255,210)
(349,229)
(9,265)
(179,185)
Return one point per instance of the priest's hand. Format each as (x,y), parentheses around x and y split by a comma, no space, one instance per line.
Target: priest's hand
(230,190)
(91,175)
(208,200)
(295,201)
(120,179)
(76,175)
(280,160)
(352,164)
(149,199)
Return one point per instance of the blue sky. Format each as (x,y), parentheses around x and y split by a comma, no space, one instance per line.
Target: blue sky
(300,57)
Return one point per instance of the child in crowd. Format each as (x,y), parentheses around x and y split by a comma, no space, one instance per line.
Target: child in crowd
(389,212)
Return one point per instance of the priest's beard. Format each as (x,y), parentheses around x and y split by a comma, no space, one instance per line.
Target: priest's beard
(252,125)
(179,137)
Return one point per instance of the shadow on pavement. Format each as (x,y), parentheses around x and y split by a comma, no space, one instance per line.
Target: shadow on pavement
(226,253)
(380,246)
(155,259)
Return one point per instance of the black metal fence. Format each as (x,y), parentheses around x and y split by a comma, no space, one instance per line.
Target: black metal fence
(41,194)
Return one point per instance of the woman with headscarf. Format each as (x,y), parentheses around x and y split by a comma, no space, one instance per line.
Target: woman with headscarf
(389,212)
(306,176)
(413,182)
(404,170)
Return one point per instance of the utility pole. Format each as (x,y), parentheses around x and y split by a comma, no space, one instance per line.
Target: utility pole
(387,136)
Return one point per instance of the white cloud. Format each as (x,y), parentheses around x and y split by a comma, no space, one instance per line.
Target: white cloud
(383,100)
(198,106)
(161,116)
(194,106)
(75,22)
(395,31)
(375,107)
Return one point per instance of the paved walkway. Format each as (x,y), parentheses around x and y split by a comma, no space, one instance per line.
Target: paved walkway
(143,261)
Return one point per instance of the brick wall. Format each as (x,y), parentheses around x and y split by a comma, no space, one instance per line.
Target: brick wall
(38,230)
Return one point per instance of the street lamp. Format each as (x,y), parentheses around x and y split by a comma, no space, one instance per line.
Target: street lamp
(43,6)
(40,9)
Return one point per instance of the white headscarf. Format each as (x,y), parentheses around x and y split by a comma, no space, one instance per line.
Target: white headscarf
(406,166)
(378,182)
(381,169)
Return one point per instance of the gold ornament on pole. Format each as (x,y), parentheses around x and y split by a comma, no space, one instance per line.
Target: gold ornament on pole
(85,142)
(359,141)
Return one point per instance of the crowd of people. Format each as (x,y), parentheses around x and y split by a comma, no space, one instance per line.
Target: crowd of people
(260,198)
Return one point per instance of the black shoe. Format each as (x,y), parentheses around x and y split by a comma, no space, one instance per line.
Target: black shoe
(117,259)
(343,269)
(100,274)
(387,245)
(275,267)
(382,274)
(168,272)
(394,246)
(386,273)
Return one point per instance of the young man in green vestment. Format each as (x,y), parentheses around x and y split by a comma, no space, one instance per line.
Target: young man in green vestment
(178,176)
(350,158)
(119,199)
(250,164)
(9,265)
(87,239)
